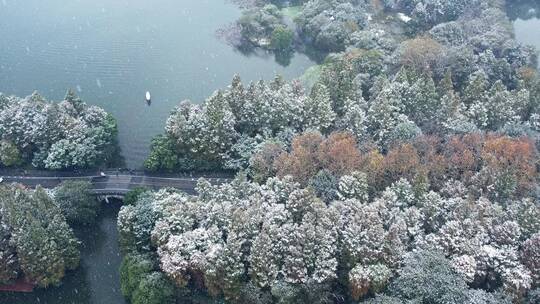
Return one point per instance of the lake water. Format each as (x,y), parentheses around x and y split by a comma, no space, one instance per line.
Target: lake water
(528,31)
(112,52)
(526,18)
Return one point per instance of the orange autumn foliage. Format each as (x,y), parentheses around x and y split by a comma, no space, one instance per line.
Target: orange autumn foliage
(373,166)
(302,162)
(311,152)
(514,156)
(434,164)
(462,156)
(427,159)
(339,154)
(402,162)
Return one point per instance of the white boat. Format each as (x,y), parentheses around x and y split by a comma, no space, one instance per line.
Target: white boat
(148,97)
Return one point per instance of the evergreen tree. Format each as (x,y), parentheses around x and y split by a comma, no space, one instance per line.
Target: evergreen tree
(163,155)
(475,97)
(154,288)
(504,106)
(354,118)
(236,98)
(338,77)
(68,134)
(354,186)
(45,245)
(74,100)
(422,102)
(318,113)
(218,130)
(9,154)
(77,202)
(432,271)
(9,264)
(384,115)
(325,186)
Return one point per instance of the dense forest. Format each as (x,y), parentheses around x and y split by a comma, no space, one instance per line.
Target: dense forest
(36,133)
(37,242)
(455,74)
(407,172)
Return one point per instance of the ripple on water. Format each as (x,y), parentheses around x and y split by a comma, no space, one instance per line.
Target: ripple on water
(167,47)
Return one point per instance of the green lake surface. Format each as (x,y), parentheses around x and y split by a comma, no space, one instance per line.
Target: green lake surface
(112,52)
(526,20)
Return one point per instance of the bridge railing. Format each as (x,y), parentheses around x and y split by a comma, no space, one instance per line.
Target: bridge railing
(111,172)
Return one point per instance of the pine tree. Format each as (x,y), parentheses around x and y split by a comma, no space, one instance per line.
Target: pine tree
(354,118)
(236,98)
(264,259)
(501,106)
(9,264)
(44,243)
(476,89)
(217,132)
(422,102)
(318,113)
(363,279)
(354,186)
(338,77)
(294,267)
(475,98)
(450,103)
(384,115)
(74,100)
(446,85)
